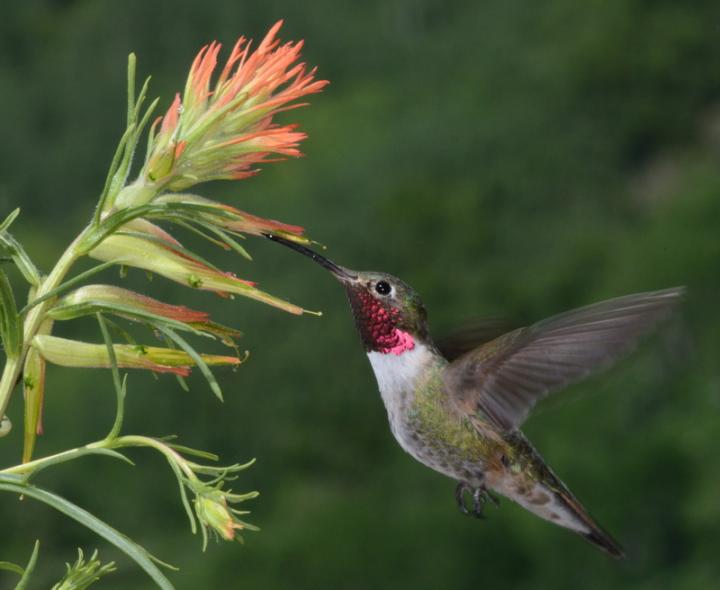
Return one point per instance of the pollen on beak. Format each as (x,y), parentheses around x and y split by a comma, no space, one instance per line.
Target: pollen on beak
(342,274)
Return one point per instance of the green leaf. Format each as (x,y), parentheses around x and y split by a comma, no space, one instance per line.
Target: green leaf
(82,574)
(20,258)
(135,129)
(67,285)
(116,328)
(29,568)
(198,232)
(111,224)
(76,310)
(175,248)
(12,567)
(10,326)
(201,364)
(24,472)
(111,173)
(232,244)
(193,452)
(120,385)
(134,551)
(6,224)
(132,64)
(208,329)
(183,496)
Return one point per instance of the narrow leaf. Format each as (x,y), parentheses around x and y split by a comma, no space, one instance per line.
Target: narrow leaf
(67,285)
(120,386)
(132,63)
(10,326)
(29,568)
(206,328)
(194,452)
(123,169)
(237,248)
(134,551)
(7,222)
(183,496)
(21,258)
(111,173)
(201,364)
(11,567)
(198,232)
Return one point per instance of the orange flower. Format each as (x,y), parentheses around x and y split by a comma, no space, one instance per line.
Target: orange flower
(222,131)
(122,300)
(235,220)
(149,247)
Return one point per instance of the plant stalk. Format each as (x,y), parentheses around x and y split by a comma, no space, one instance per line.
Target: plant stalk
(35,317)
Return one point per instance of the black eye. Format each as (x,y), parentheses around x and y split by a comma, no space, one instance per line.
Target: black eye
(383,287)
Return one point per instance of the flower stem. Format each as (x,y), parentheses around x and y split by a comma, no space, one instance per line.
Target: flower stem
(133,440)
(35,318)
(9,379)
(32,466)
(105,446)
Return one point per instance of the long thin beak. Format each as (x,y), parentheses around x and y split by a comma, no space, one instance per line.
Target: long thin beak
(340,273)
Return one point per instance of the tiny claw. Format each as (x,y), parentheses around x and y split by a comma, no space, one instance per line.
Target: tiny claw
(478,503)
(480,497)
(460,497)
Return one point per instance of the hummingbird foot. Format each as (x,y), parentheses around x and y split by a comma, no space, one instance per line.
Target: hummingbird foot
(480,496)
(460,490)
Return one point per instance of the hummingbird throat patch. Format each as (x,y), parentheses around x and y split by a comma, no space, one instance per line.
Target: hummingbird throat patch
(377,325)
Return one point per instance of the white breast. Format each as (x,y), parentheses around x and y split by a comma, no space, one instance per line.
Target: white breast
(397,375)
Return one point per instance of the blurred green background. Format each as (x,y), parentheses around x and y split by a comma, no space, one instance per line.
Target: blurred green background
(506,159)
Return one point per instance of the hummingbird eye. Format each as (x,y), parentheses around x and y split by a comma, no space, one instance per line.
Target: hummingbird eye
(383,287)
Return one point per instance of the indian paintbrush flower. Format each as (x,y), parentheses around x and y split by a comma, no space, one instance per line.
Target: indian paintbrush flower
(212,507)
(135,307)
(154,250)
(109,297)
(223,130)
(81,574)
(73,353)
(235,220)
(222,126)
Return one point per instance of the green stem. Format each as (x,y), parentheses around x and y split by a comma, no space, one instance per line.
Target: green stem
(35,318)
(31,466)
(8,380)
(106,447)
(133,440)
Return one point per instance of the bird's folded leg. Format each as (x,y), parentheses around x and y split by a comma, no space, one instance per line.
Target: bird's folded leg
(460,490)
(481,496)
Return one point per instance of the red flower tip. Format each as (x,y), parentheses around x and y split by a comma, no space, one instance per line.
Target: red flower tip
(223,130)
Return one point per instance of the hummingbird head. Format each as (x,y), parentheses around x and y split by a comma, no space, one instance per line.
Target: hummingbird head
(389,315)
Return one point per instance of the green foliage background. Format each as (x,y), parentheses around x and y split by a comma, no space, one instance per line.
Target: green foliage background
(506,159)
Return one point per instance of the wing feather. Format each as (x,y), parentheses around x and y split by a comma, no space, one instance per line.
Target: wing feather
(502,380)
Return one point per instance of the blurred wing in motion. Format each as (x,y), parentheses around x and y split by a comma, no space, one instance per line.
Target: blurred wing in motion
(472,335)
(502,380)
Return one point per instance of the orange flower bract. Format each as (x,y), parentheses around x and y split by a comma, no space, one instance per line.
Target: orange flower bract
(222,131)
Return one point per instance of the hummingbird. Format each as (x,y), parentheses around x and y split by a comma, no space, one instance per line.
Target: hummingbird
(458,409)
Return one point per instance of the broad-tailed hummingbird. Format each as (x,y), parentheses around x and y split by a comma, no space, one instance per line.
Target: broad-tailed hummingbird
(459,411)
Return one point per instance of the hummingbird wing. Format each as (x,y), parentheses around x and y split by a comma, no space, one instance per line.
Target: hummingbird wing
(503,379)
(471,335)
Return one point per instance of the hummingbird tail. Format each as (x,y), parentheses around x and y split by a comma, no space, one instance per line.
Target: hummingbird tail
(594,532)
(540,491)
